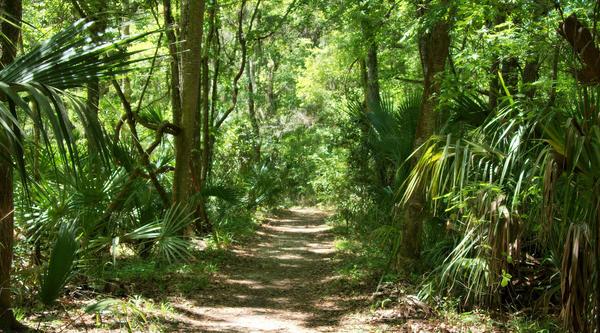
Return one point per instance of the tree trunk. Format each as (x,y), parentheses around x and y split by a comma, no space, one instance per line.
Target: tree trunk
(256,148)
(555,61)
(530,75)
(92,108)
(7,319)
(494,88)
(171,34)
(510,75)
(187,143)
(371,78)
(434,48)
(206,225)
(11,9)
(252,113)
(214,100)
(372,95)
(272,99)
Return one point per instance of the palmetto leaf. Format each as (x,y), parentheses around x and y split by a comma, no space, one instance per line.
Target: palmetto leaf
(37,80)
(167,234)
(70,59)
(60,265)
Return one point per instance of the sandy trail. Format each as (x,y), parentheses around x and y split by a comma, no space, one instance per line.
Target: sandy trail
(283,281)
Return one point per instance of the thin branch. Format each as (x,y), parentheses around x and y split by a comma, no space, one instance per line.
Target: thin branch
(136,142)
(147,83)
(280,24)
(243,46)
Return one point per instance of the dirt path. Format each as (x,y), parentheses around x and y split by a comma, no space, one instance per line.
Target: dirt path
(283,281)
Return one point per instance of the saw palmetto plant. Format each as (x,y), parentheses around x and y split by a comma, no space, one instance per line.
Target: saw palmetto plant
(35,94)
(487,184)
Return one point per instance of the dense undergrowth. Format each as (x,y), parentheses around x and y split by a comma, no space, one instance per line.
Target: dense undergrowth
(458,143)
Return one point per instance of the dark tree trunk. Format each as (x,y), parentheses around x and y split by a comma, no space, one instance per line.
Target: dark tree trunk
(372,102)
(252,113)
(371,77)
(494,89)
(434,48)
(92,108)
(555,61)
(510,75)
(530,75)
(214,100)
(7,319)
(205,225)
(174,66)
(271,98)
(11,9)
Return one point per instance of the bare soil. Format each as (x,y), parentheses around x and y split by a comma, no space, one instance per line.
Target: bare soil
(284,281)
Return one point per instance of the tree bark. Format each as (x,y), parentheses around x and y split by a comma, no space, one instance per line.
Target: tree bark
(7,318)
(494,88)
(530,75)
(372,96)
(206,225)
(214,100)
(371,78)
(272,99)
(434,48)
(11,9)
(555,61)
(252,113)
(171,34)
(188,141)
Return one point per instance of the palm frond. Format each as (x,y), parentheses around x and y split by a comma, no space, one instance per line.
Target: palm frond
(60,265)
(67,60)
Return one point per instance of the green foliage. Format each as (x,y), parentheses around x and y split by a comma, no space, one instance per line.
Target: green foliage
(60,265)
(510,178)
(166,234)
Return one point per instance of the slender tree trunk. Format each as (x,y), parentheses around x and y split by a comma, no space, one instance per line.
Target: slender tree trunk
(7,319)
(494,88)
(555,61)
(188,142)
(255,160)
(372,95)
(92,108)
(371,77)
(252,113)
(510,75)
(174,66)
(271,98)
(206,225)
(530,75)
(434,48)
(11,9)
(214,100)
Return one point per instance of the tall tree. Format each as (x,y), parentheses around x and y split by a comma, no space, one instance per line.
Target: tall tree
(187,143)
(434,45)
(11,9)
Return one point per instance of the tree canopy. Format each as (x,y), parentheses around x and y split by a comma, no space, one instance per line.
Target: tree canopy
(452,147)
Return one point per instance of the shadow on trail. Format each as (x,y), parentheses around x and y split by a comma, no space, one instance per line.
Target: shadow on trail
(283,281)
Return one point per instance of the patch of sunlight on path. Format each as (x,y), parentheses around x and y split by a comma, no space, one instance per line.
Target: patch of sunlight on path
(280,282)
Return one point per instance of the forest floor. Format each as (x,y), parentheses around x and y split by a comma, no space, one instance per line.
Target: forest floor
(286,278)
(282,281)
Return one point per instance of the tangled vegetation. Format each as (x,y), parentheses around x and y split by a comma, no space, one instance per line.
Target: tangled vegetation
(457,143)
